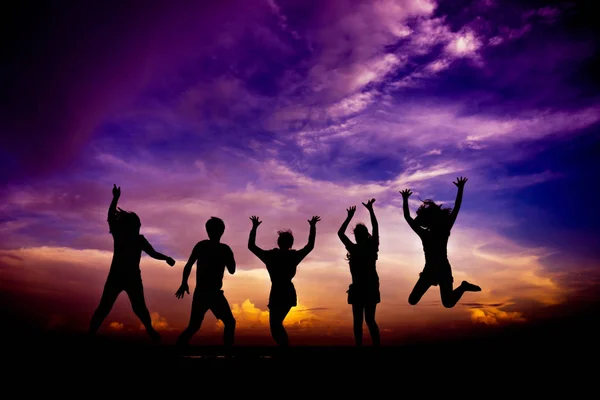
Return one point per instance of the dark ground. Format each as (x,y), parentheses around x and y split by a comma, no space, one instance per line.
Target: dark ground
(557,358)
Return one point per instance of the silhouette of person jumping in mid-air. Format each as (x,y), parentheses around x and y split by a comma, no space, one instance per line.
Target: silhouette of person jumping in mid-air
(363,293)
(433,225)
(212,258)
(281,264)
(125,274)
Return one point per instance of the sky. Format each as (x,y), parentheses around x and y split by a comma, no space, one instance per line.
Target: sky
(287,109)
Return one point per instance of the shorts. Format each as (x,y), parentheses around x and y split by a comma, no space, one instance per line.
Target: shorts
(363,295)
(437,273)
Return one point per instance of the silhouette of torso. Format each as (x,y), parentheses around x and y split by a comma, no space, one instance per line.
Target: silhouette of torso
(127,254)
(282,266)
(435,245)
(213,257)
(362,261)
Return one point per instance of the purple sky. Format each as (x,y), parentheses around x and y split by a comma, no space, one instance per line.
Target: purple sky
(288,109)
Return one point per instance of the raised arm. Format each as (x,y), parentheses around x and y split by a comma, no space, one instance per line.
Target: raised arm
(187,270)
(148,249)
(257,251)
(311,237)
(374,223)
(342,230)
(460,184)
(112,209)
(411,222)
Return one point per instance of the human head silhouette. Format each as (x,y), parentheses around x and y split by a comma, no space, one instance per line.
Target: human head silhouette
(285,241)
(215,228)
(361,233)
(431,215)
(126,223)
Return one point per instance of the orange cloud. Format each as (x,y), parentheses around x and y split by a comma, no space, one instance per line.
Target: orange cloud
(494,316)
(248,316)
(117,326)
(158,322)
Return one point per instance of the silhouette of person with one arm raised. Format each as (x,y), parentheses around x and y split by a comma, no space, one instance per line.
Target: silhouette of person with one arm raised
(281,264)
(363,293)
(212,258)
(433,225)
(125,274)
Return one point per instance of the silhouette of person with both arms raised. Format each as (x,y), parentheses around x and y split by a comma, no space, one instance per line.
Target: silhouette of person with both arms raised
(363,293)
(281,264)
(125,274)
(433,225)
(212,258)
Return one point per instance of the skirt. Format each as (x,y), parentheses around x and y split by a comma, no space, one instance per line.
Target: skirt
(363,295)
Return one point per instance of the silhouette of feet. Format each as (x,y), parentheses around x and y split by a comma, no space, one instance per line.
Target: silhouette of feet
(469,287)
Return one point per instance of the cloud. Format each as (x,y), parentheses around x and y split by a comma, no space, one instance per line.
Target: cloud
(250,317)
(116,326)
(494,316)
(158,322)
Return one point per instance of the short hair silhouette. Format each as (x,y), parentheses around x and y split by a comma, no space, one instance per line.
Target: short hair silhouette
(285,240)
(429,213)
(215,227)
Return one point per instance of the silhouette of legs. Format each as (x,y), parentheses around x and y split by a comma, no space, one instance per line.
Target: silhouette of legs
(200,306)
(218,304)
(221,309)
(451,297)
(109,296)
(276,317)
(371,324)
(136,296)
(419,290)
(357,314)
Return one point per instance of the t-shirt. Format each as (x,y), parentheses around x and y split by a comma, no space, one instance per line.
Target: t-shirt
(127,252)
(362,261)
(282,264)
(435,245)
(212,259)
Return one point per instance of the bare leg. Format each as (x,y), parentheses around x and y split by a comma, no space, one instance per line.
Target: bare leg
(357,314)
(199,308)
(221,309)
(138,303)
(109,296)
(418,291)
(370,320)
(451,297)
(276,317)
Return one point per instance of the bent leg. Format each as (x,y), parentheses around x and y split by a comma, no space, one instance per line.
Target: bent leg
(371,324)
(357,317)
(109,296)
(138,304)
(276,317)
(221,309)
(418,291)
(200,306)
(451,297)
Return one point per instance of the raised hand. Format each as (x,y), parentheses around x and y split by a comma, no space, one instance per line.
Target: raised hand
(255,221)
(313,221)
(116,191)
(184,288)
(369,204)
(405,193)
(170,261)
(351,210)
(460,182)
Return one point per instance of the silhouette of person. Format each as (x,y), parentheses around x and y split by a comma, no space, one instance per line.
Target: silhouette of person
(281,264)
(125,274)
(212,258)
(363,293)
(433,225)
